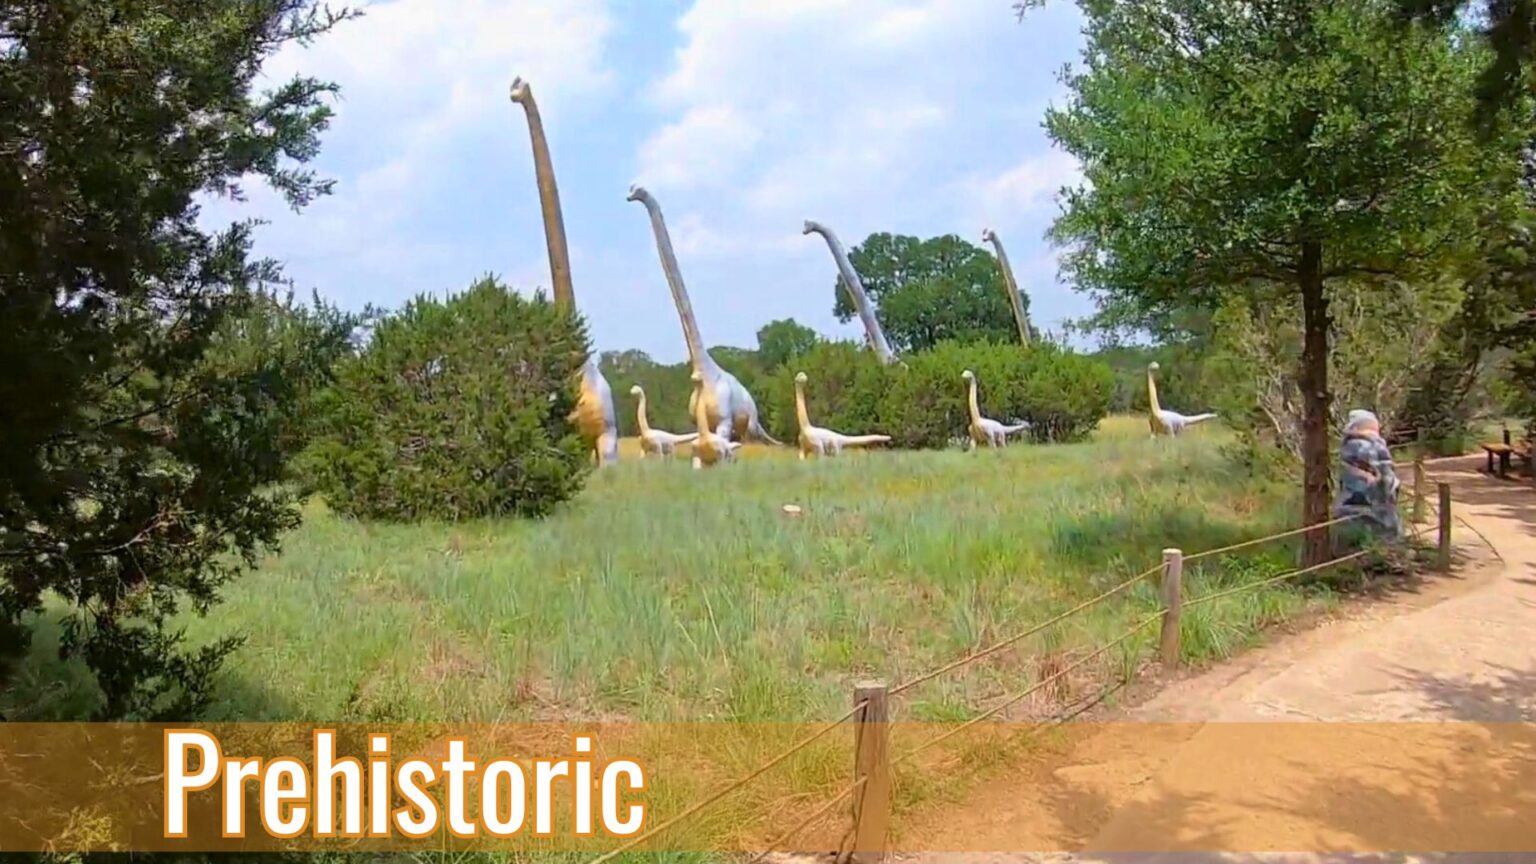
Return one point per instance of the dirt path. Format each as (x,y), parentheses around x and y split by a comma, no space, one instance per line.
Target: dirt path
(1394,727)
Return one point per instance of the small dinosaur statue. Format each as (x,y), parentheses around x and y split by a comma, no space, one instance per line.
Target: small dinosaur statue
(1164,422)
(984,431)
(710,448)
(656,441)
(824,442)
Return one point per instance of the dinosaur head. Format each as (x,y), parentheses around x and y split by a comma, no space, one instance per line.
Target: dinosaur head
(1153,367)
(520,91)
(988,235)
(636,391)
(800,378)
(810,227)
(968,375)
(697,377)
(637,193)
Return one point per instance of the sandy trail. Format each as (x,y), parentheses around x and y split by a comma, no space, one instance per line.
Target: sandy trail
(1401,725)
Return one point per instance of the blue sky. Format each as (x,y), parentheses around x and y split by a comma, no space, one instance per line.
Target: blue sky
(742,118)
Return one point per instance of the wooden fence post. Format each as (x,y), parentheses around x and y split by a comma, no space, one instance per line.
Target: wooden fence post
(1173,604)
(1443,561)
(1418,488)
(872,760)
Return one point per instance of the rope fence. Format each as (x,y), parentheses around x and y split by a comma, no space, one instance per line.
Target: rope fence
(870,791)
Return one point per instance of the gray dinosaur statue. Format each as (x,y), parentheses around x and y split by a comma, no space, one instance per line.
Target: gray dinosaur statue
(730,409)
(850,280)
(1016,304)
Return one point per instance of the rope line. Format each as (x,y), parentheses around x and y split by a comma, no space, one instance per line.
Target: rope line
(809,820)
(1292,533)
(1023,694)
(732,787)
(1206,598)
(1011,640)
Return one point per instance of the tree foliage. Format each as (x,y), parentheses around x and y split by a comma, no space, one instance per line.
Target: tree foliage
(457,409)
(779,342)
(138,448)
(929,291)
(1269,151)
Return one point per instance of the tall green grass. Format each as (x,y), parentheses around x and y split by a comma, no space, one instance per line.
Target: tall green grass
(668,593)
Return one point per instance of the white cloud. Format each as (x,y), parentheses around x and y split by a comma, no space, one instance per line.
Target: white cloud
(1029,187)
(423,110)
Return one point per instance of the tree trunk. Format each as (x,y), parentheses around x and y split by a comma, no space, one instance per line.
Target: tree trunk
(1315,403)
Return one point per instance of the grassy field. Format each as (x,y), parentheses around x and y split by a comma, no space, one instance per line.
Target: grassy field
(666,593)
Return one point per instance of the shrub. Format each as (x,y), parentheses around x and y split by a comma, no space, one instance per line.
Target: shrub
(921,402)
(457,409)
(845,391)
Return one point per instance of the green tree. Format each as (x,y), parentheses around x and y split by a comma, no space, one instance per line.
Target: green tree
(457,410)
(779,342)
(1270,152)
(137,462)
(929,291)
(1509,27)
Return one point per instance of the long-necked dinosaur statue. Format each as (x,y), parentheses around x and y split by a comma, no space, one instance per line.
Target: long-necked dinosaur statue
(984,431)
(1165,422)
(709,448)
(824,442)
(656,441)
(850,279)
(729,407)
(1014,302)
(594,415)
(1168,422)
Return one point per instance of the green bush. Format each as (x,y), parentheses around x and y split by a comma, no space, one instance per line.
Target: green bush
(921,402)
(845,391)
(456,409)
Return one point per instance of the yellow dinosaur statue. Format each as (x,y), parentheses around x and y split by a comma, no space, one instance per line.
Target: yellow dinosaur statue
(710,448)
(984,431)
(815,440)
(1170,423)
(655,441)
(593,416)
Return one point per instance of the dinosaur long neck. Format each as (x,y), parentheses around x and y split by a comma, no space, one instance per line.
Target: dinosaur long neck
(549,202)
(1014,300)
(975,407)
(696,353)
(801,415)
(640,418)
(856,292)
(1152,393)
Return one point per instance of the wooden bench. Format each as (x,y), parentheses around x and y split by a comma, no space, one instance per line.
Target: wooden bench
(1506,452)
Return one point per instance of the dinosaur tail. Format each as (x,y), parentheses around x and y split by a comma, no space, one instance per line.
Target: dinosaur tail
(1199,418)
(862,440)
(687,439)
(1013,430)
(757,431)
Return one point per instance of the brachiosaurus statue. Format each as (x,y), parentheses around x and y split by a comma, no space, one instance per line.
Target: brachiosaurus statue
(824,442)
(663,444)
(1014,302)
(984,431)
(729,407)
(1164,422)
(594,416)
(709,448)
(850,279)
